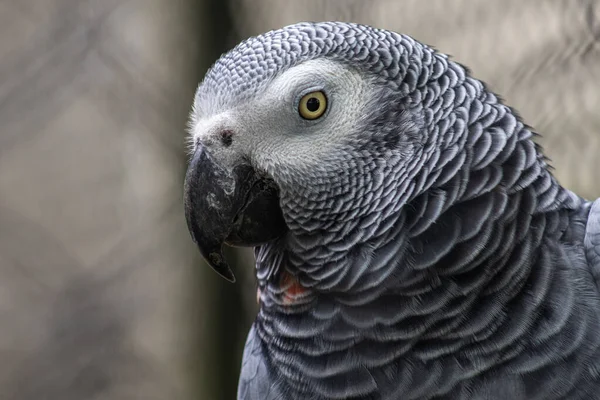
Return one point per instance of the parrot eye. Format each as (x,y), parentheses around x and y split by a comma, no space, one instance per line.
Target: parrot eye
(312,105)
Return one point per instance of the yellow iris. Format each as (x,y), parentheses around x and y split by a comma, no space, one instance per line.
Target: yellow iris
(312,105)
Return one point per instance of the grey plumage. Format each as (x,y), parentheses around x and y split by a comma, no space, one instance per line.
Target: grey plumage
(438,256)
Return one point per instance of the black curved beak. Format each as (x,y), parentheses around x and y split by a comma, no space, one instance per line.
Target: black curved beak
(237,208)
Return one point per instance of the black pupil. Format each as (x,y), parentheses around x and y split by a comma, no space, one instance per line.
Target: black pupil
(312,104)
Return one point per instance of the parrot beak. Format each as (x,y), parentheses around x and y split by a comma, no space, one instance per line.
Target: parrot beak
(237,208)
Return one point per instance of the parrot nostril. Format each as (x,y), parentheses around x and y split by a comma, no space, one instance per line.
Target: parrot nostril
(226,137)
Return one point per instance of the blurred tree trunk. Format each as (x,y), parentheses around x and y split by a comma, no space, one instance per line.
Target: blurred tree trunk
(227,310)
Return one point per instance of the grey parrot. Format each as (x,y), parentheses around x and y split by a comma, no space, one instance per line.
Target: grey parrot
(411,241)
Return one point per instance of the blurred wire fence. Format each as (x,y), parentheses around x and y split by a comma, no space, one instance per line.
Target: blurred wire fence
(102,293)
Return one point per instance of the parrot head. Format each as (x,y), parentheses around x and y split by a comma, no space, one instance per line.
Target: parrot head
(320,133)
(298,132)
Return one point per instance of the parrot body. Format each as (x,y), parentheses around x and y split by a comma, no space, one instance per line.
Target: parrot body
(420,247)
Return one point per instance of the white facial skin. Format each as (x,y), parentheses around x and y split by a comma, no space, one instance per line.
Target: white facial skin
(269,131)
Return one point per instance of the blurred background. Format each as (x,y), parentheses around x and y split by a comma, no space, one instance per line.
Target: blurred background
(102,293)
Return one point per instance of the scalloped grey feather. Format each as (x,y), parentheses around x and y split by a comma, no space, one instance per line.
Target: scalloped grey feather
(467,274)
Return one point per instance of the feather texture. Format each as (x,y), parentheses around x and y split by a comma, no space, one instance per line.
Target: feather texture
(466,272)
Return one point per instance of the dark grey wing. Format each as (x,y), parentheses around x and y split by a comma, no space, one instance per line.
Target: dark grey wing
(255,380)
(592,241)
